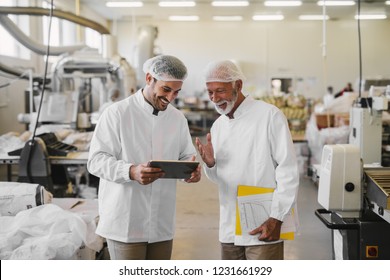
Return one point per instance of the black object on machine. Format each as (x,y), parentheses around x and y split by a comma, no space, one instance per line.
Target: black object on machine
(52,145)
(55,147)
(34,166)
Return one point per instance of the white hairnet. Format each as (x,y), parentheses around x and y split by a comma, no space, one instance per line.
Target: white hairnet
(166,68)
(223,71)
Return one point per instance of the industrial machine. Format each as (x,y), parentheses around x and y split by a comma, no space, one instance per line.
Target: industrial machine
(354,188)
(356,203)
(366,123)
(80,83)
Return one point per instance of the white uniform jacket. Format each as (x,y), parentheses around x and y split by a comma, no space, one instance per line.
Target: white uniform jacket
(128,133)
(255,149)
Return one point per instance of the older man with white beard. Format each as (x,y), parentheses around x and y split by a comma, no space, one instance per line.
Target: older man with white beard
(249,144)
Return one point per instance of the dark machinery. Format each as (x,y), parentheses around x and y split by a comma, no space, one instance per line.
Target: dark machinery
(35,164)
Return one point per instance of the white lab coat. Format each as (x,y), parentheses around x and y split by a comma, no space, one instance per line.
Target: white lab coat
(128,133)
(255,148)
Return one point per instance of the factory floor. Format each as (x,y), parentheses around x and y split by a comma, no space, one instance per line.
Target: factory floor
(197,224)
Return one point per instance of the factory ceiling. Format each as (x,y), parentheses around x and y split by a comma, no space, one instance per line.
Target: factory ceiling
(205,11)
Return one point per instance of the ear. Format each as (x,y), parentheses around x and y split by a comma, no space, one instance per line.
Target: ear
(148,79)
(239,85)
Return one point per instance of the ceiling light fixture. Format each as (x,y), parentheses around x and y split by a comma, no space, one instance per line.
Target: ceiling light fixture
(336,3)
(227,18)
(230,3)
(268,17)
(183,18)
(282,3)
(387,2)
(313,17)
(132,4)
(177,4)
(363,17)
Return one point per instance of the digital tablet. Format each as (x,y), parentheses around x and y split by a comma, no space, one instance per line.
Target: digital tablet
(175,169)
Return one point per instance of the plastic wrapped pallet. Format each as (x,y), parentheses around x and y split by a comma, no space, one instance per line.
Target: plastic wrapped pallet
(16,197)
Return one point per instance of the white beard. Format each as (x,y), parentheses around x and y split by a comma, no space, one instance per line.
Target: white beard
(229,105)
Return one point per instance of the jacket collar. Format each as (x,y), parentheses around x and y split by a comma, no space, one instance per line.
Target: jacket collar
(242,108)
(146,105)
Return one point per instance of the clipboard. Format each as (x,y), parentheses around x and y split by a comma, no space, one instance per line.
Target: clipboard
(262,195)
(175,169)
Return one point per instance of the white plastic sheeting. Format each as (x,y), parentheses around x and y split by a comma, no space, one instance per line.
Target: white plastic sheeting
(47,232)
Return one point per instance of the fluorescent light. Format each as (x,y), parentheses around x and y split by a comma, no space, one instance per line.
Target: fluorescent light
(282,3)
(387,2)
(183,18)
(177,4)
(133,4)
(336,3)
(313,17)
(227,18)
(230,3)
(370,17)
(268,17)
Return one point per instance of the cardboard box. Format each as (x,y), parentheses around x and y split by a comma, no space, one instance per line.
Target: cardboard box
(324,120)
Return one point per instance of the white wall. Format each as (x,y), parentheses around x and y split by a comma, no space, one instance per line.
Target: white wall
(280,49)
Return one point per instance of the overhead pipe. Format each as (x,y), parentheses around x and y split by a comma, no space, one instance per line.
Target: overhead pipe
(11,27)
(26,41)
(36,11)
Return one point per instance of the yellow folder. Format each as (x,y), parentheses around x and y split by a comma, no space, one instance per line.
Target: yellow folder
(243,190)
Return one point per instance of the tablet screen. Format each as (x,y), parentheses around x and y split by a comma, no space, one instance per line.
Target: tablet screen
(175,169)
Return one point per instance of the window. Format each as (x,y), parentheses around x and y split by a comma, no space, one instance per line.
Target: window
(93,39)
(9,45)
(64,33)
